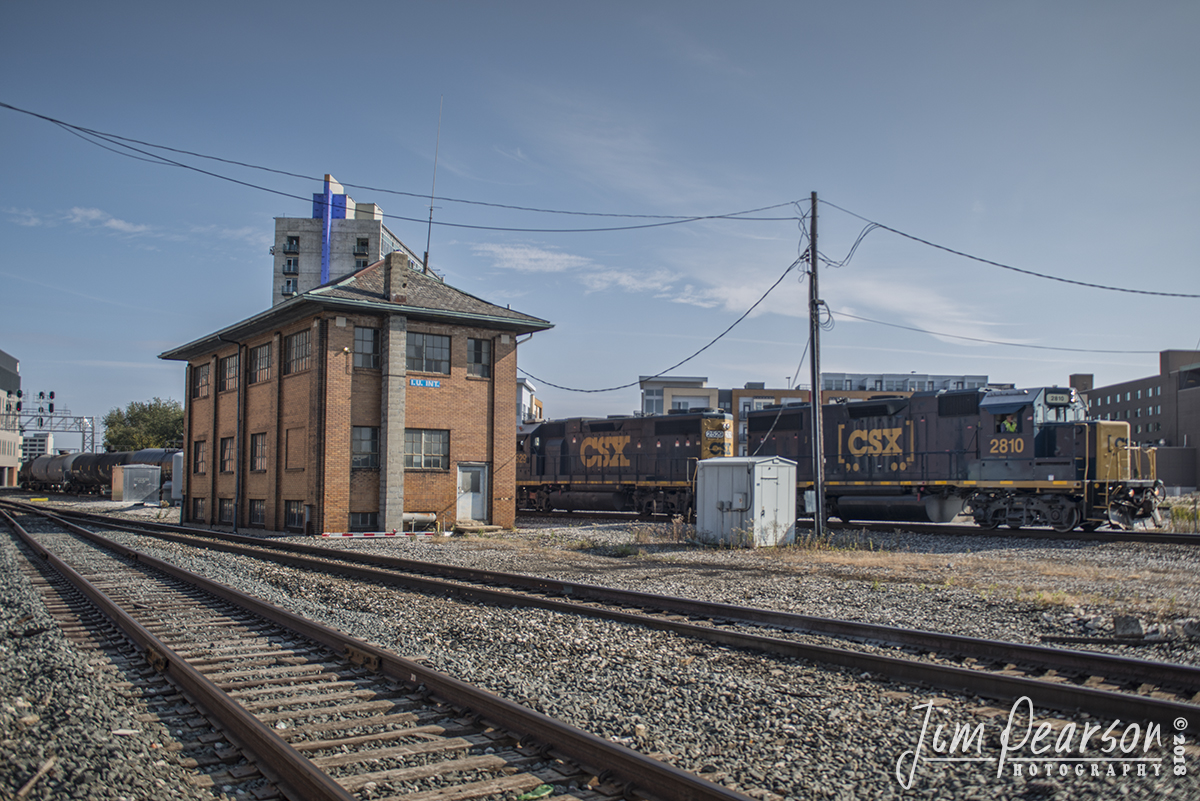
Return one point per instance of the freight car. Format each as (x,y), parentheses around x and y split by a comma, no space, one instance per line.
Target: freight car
(643,464)
(1020,457)
(88,473)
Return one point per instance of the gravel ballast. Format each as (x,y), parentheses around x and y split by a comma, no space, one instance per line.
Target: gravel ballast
(770,727)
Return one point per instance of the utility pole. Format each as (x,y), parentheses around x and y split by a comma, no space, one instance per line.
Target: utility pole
(814,360)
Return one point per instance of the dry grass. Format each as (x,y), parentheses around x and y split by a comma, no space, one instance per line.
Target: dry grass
(1181,515)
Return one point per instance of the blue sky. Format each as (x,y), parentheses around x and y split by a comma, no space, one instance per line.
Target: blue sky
(1058,138)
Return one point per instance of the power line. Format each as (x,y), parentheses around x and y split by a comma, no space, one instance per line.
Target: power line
(987,341)
(1006,266)
(117,141)
(714,341)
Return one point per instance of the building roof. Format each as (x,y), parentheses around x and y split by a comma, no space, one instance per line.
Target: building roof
(426,298)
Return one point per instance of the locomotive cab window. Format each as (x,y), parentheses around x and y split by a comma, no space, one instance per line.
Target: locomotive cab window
(1008,423)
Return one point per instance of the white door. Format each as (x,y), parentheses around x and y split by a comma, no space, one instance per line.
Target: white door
(472,492)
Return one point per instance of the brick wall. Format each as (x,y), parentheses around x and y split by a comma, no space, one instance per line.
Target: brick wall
(307,419)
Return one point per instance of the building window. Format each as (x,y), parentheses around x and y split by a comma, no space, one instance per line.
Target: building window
(361,246)
(479,357)
(360,264)
(200,381)
(228,459)
(364,521)
(225,510)
(229,373)
(295,353)
(291,265)
(258,513)
(291,244)
(200,457)
(428,353)
(198,510)
(258,452)
(652,401)
(364,446)
(260,364)
(289,286)
(427,449)
(366,347)
(293,514)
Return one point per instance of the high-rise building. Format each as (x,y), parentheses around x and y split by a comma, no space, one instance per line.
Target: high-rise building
(340,238)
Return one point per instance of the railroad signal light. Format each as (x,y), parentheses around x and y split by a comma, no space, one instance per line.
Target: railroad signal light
(51,394)
(18,406)
(41,396)
(52,405)
(40,423)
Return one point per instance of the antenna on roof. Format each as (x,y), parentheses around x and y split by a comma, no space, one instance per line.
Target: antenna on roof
(433,189)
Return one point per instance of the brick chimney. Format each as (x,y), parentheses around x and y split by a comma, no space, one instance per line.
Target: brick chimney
(395,277)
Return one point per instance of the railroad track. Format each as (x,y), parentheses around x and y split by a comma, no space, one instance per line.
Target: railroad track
(311,713)
(1104,685)
(1151,536)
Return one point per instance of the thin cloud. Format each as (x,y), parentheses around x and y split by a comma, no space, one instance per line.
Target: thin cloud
(59,288)
(628,281)
(97,218)
(27,217)
(530,259)
(917,306)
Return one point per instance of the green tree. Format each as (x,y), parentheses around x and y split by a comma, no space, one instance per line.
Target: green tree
(151,424)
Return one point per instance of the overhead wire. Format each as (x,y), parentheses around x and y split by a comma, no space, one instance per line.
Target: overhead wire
(128,143)
(986,341)
(1001,265)
(124,146)
(779,414)
(661,373)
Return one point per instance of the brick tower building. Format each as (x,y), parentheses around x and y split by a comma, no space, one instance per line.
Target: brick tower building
(375,399)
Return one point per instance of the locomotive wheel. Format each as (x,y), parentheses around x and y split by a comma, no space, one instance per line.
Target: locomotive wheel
(1068,522)
(989,525)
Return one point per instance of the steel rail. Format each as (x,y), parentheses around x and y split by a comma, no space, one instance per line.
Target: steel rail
(285,767)
(593,753)
(1110,666)
(1056,695)
(1152,537)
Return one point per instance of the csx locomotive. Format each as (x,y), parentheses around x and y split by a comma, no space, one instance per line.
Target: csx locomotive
(1020,457)
(642,464)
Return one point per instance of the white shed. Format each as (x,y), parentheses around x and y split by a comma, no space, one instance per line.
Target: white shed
(747,501)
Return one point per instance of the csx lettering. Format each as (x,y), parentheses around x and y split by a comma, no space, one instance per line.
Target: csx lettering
(875,441)
(604,451)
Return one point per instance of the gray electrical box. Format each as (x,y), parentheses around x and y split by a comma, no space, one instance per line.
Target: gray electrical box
(136,483)
(746,501)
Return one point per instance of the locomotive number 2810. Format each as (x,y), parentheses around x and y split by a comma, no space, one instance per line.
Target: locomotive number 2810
(1006,446)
